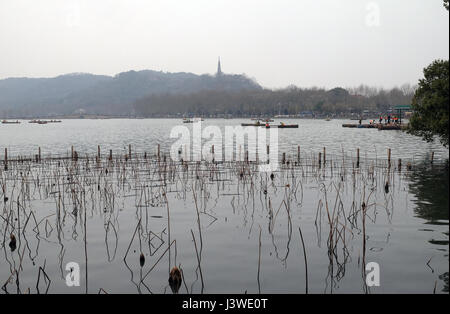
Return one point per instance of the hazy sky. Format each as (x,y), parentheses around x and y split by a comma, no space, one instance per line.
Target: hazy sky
(324,43)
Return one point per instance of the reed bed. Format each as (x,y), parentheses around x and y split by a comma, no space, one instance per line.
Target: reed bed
(351,192)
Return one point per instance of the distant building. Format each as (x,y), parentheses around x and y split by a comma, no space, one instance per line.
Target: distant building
(219,69)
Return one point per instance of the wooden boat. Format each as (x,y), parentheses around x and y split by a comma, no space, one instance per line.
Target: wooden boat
(11,122)
(288,126)
(360,126)
(378,126)
(282,126)
(44,121)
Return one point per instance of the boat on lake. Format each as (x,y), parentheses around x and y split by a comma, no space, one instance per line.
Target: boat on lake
(44,121)
(288,126)
(11,122)
(379,126)
(282,126)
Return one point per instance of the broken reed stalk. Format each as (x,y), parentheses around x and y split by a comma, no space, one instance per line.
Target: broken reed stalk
(6,159)
(85,248)
(132,238)
(364,246)
(46,278)
(198,260)
(389,157)
(168,225)
(357,158)
(157,261)
(182,277)
(198,220)
(306,261)
(259,260)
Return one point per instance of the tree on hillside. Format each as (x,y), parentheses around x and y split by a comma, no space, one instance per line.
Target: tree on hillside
(431,104)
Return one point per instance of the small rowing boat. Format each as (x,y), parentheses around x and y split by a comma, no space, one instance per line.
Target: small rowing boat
(44,121)
(282,126)
(10,122)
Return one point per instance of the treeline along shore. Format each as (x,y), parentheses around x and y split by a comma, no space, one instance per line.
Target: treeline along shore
(292,101)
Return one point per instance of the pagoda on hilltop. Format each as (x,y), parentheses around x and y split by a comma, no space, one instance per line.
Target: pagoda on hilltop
(219,69)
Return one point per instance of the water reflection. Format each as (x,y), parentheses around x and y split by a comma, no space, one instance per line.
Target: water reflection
(430,186)
(430,183)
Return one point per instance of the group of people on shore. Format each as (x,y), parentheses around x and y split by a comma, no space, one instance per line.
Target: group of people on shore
(387,120)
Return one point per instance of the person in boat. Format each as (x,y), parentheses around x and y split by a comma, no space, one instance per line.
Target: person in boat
(381,119)
(389,119)
(360,121)
(281,123)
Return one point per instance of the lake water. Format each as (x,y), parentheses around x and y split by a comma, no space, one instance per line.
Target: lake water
(144,134)
(246,225)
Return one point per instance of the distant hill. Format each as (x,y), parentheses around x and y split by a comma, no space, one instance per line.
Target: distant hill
(104,95)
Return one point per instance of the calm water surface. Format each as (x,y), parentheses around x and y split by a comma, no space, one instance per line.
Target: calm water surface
(406,228)
(144,134)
